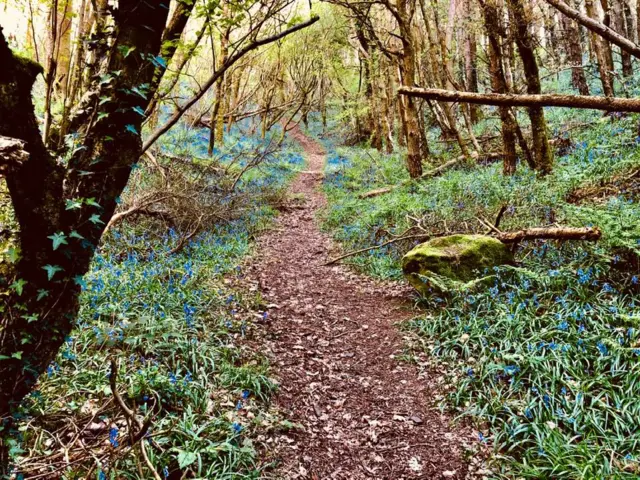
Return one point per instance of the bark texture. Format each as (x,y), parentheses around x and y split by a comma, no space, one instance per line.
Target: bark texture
(543,156)
(40,311)
(491,15)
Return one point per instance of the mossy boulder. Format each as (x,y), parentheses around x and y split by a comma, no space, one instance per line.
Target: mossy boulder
(453,262)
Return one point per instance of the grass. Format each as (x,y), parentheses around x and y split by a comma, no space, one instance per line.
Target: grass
(545,361)
(179,327)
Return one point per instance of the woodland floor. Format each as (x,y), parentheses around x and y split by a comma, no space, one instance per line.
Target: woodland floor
(334,342)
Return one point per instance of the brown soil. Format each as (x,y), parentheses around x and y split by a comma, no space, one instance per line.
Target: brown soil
(363,411)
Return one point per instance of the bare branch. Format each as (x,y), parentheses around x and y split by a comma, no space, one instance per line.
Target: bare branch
(218,73)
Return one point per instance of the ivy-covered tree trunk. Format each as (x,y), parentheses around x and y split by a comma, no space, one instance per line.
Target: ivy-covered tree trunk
(62,210)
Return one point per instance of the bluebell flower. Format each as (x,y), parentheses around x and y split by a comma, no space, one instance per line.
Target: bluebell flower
(602,348)
(113,437)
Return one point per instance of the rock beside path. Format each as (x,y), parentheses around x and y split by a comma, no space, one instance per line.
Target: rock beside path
(453,262)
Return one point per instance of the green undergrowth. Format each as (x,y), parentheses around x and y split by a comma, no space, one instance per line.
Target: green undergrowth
(546,358)
(180,327)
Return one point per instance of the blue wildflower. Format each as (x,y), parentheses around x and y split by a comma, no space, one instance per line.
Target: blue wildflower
(113,437)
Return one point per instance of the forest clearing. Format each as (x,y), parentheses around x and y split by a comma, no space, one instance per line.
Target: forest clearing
(349,239)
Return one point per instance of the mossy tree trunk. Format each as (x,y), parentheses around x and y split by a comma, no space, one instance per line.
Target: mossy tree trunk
(493,26)
(62,211)
(542,153)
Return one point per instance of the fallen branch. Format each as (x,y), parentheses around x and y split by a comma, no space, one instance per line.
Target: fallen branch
(547,233)
(597,27)
(143,428)
(430,174)
(551,233)
(375,247)
(609,104)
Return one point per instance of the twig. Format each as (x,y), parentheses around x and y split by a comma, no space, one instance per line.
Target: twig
(130,414)
(375,247)
(499,217)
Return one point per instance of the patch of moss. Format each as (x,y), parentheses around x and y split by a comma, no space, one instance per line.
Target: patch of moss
(442,263)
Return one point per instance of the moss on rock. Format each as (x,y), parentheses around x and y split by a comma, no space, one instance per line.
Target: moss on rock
(451,262)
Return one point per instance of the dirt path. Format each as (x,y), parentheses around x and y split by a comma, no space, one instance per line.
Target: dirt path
(364,413)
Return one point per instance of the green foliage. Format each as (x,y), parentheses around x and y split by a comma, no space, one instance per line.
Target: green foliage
(545,357)
(178,325)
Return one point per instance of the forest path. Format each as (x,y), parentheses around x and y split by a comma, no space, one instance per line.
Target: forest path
(334,346)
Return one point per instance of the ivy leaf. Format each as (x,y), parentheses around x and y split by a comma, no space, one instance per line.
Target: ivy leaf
(104,99)
(17,355)
(75,234)
(106,78)
(51,270)
(73,204)
(139,92)
(30,318)
(42,293)
(95,219)
(125,50)
(131,128)
(13,254)
(58,239)
(92,202)
(139,111)
(102,115)
(18,286)
(80,281)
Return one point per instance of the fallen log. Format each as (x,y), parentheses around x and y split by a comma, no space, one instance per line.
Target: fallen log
(609,104)
(540,233)
(550,233)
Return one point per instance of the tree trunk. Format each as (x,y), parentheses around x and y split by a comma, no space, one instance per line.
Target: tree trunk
(471,59)
(542,154)
(499,84)
(408,76)
(600,48)
(40,313)
(620,8)
(574,55)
